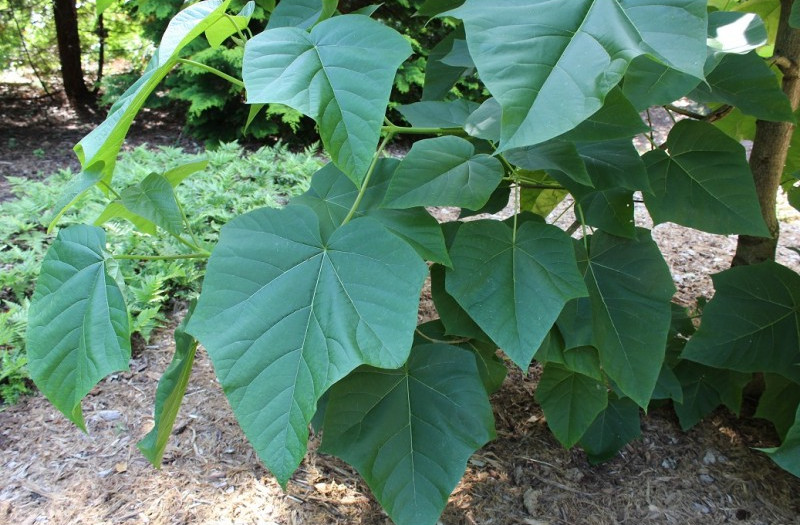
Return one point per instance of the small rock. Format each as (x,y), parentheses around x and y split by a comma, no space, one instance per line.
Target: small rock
(710,457)
(107,415)
(574,474)
(705,479)
(531,500)
(669,463)
(702,509)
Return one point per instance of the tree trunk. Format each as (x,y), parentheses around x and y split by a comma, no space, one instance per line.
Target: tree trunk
(770,146)
(69,51)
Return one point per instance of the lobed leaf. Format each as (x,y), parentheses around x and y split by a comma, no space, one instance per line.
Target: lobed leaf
(285,314)
(703,182)
(753,322)
(582,50)
(409,432)
(444,171)
(340,74)
(513,287)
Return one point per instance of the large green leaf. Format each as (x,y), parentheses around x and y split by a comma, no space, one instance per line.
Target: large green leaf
(582,50)
(513,286)
(340,74)
(778,402)
(285,314)
(169,394)
(614,428)
(570,402)
(745,81)
(332,195)
(104,142)
(300,13)
(732,32)
(703,182)
(455,319)
(753,322)
(410,432)
(630,289)
(444,171)
(614,164)
(77,323)
(154,200)
(788,454)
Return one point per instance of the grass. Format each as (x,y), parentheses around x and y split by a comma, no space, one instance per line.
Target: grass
(233,183)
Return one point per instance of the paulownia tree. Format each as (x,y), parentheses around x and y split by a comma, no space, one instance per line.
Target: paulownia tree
(309,313)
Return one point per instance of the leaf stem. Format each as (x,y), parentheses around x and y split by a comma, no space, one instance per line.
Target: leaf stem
(410,130)
(186,223)
(233,80)
(583,226)
(109,188)
(232,20)
(368,176)
(189,244)
(160,257)
(450,342)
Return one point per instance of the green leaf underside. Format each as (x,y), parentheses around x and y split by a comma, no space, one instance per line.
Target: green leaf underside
(614,428)
(555,155)
(104,142)
(668,386)
(542,98)
(117,210)
(745,81)
(285,315)
(332,195)
(704,182)
(753,322)
(732,32)
(570,401)
(513,289)
(77,323)
(778,403)
(444,171)
(438,114)
(226,26)
(169,395)
(410,432)
(340,74)
(652,83)
(630,288)
(154,200)
(179,173)
(788,454)
(616,119)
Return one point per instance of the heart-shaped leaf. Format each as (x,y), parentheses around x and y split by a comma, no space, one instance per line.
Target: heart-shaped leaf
(582,50)
(788,454)
(300,13)
(703,182)
(340,74)
(513,286)
(410,432)
(614,428)
(570,402)
(285,314)
(444,171)
(77,323)
(753,322)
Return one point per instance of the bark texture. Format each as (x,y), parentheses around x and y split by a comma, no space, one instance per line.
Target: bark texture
(69,51)
(770,147)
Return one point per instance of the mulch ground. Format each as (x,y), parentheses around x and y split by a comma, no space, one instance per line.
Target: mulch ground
(52,473)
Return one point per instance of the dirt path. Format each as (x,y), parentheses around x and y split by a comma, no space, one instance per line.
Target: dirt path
(51,473)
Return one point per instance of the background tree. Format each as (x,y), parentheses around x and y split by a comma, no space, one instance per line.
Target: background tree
(69,51)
